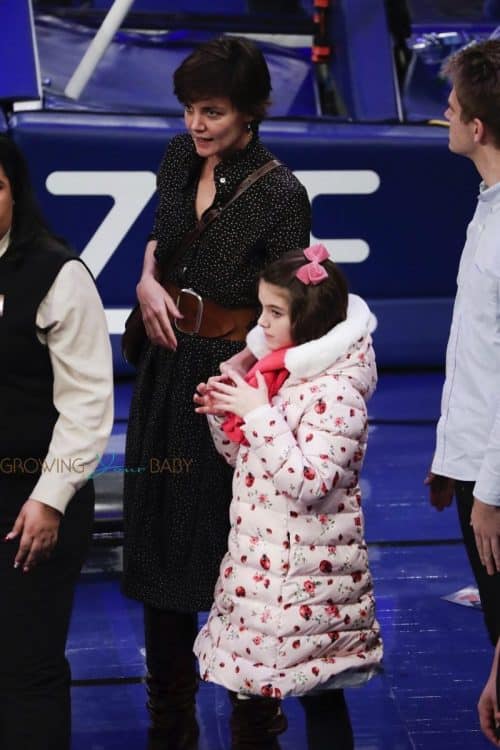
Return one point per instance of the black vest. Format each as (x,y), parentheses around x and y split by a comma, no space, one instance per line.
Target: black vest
(27,412)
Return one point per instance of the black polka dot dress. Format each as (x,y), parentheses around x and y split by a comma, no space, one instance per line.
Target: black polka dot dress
(177,488)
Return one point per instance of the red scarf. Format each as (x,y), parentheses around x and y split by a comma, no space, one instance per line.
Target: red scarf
(272,367)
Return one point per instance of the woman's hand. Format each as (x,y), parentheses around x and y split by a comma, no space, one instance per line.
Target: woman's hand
(239,397)
(38,526)
(156,304)
(204,395)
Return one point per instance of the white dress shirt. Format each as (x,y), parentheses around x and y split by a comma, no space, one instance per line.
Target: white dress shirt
(80,353)
(468,431)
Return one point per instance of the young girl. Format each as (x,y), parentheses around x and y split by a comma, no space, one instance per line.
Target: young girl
(294,607)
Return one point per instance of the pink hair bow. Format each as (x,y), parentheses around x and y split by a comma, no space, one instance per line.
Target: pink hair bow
(313,272)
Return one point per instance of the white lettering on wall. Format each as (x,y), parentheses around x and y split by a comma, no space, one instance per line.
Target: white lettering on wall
(132,191)
(340,182)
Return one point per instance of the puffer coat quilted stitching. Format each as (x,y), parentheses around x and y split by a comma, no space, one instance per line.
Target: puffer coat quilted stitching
(294,605)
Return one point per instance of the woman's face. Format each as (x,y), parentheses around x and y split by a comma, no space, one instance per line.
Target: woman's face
(216,127)
(6,203)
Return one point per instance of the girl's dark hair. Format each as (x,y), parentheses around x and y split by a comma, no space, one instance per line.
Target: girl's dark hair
(28,223)
(226,67)
(314,310)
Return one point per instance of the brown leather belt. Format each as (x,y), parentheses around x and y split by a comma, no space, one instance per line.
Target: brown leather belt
(204,317)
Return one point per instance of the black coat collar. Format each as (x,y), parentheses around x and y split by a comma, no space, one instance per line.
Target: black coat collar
(230,171)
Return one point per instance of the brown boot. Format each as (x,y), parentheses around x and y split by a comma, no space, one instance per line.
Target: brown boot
(173,717)
(256,723)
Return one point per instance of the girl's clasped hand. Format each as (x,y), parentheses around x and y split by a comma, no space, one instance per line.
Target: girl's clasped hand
(230,393)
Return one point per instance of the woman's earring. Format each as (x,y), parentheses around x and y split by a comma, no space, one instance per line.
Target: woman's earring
(249,127)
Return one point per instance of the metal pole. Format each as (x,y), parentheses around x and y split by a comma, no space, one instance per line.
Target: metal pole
(97,48)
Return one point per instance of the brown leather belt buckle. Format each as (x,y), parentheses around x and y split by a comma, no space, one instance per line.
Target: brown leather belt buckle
(190,306)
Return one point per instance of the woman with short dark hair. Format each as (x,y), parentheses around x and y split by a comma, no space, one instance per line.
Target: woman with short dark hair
(176,506)
(227,67)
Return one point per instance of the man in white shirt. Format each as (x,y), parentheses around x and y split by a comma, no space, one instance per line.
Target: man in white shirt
(467,457)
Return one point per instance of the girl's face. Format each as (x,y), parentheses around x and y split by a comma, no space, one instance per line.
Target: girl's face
(216,127)
(6,203)
(275,316)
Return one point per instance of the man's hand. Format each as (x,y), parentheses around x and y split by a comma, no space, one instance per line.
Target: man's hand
(156,304)
(440,490)
(38,526)
(485,521)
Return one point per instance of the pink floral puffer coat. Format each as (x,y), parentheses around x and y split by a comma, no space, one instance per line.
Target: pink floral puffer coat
(294,605)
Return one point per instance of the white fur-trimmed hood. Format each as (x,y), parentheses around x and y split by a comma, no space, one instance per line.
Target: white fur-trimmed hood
(314,357)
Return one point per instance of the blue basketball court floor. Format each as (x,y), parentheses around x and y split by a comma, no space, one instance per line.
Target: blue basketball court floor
(437,655)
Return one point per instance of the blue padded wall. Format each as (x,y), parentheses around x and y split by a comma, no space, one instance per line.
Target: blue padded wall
(19,78)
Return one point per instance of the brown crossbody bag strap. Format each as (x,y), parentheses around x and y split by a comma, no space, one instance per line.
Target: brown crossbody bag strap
(213,213)
(134,336)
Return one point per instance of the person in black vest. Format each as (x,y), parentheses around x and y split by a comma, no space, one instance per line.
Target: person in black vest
(56,415)
(176,510)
